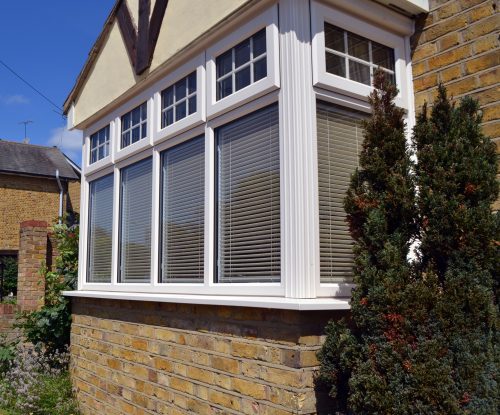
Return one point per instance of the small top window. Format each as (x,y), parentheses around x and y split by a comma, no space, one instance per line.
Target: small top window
(242,65)
(178,100)
(99,145)
(134,125)
(355,57)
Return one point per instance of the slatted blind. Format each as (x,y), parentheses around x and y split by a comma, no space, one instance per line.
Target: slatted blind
(183,206)
(100,229)
(340,137)
(248,197)
(135,222)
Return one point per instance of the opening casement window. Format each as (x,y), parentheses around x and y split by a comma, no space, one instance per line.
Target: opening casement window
(99,145)
(178,100)
(347,49)
(134,125)
(245,64)
(242,65)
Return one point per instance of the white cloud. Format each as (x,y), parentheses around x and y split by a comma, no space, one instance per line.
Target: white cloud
(16,99)
(70,142)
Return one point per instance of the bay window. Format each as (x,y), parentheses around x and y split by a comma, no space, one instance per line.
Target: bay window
(237,186)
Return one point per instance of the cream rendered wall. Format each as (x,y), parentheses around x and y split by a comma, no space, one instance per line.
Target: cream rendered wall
(186,20)
(112,74)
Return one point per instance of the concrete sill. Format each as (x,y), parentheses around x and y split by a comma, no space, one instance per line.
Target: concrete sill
(235,301)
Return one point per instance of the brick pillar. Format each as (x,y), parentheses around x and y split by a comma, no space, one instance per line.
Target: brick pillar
(32,254)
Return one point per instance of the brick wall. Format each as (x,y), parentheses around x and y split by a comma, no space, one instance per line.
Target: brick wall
(32,253)
(144,358)
(458,44)
(24,198)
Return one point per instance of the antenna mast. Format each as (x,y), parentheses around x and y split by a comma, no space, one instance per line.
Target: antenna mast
(26,139)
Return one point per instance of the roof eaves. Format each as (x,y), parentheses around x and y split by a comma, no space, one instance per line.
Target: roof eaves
(92,56)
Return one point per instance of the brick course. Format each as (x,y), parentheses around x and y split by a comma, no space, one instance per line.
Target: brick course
(150,358)
(23,198)
(458,44)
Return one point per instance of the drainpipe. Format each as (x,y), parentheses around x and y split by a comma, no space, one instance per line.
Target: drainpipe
(61,192)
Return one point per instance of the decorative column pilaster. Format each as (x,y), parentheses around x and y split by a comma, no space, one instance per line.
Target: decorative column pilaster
(300,243)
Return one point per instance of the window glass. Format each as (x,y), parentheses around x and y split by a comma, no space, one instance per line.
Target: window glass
(99,145)
(360,60)
(242,65)
(183,210)
(248,197)
(179,100)
(100,229)
(135,222)
(340,137)
(134,125)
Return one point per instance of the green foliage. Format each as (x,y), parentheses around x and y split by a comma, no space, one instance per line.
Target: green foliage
(421,335)
(37,382)
(10,275)
(51,324)
(7,352)
(456,175)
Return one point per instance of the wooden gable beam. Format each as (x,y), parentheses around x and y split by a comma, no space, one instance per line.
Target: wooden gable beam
(141,43)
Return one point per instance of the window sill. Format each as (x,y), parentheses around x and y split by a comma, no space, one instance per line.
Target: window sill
(236,301)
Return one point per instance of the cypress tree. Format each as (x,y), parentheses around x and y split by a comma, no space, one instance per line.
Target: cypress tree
(389,358)
(456,177)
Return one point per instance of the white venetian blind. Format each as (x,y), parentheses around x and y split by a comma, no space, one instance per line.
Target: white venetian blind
(340,136)
(135,222)
(100,229)
(248,161)
(183,207)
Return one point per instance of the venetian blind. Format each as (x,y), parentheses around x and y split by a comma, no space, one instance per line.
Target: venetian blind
(340,137)
(135,222)
(100,229)
(248,161)
(183,201)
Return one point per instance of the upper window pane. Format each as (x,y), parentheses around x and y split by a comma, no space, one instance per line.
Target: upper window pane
(340,137)
(99,145)
(183,212)
(242,65)
(135,222)
(179,100)
(134,125)
(248,197)
(355,57)
(100,229)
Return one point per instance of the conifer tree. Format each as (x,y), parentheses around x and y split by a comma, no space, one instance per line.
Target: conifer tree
(456,177)
(389,358)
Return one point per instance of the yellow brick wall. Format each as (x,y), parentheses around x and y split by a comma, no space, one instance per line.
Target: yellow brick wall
(145,358)
(26,198)
(458,44)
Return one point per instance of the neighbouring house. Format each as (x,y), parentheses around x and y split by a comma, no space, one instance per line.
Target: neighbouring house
(36,183)
(219,139)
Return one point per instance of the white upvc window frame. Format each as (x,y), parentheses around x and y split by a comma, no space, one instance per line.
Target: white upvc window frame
(321,13)
(300,286)
(197,65)
(268,20)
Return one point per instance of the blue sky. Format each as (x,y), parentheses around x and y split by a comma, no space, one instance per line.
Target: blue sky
(47,43)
